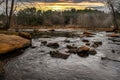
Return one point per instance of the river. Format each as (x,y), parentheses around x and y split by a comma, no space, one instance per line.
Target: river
(37,64)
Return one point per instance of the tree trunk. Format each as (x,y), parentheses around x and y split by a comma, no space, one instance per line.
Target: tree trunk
(116,26)
(9,16)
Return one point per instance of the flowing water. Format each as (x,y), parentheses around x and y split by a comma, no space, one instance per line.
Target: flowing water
(37,64)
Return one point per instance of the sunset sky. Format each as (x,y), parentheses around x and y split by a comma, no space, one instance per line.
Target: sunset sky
(60,4)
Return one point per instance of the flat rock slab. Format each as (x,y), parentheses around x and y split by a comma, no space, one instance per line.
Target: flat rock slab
(12,42)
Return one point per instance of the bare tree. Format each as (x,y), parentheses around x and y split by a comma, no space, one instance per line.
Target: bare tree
(112,6)
(9,13)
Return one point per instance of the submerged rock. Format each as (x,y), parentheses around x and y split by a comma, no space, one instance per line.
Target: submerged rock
(44,42)
(9,43)
(89,33)
(58,54)
(96,44)
(53,45)
(87,43)
(92,52)
(71,47)
(67,41)
(113,35)
(85,40)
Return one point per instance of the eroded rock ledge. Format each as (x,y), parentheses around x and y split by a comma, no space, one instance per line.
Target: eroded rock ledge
(10,43)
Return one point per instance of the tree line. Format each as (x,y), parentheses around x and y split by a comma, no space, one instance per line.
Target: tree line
(46,17)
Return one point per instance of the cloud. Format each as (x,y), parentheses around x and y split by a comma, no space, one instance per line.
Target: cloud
(61,0)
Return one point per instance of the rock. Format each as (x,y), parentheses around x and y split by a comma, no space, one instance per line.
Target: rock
(92,52)
(25,35)
(89,33)
(74,51)
(35,30)
(71,47)
(88,44)
(83,51)
(96,44)
(113,35)
(58,54)
(52,30)
(10,43)
(44,42)
(33,46)
(83,54)
(67,41)
(113,51)
(85,40)
(53,45)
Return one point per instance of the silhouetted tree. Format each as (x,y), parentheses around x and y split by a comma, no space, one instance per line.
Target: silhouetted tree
(112,4)
(9,13)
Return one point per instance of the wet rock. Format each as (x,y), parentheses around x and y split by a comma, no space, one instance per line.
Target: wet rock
(113,51)
(71,47)
(87,32)
(58,54)
(10,43)
(33,46)
(92,52)
(96,44)
(35,30)
(83,49)
(53,45)
(25,35)
(114,39)
(85,40)
(113,35)
(44,42)
(88,44)
(74,51)
(67,41)
(52,30)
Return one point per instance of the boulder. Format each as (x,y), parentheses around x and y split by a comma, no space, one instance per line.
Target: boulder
(10,43)
(113,35)
(83,51)
(53,45)
(25,35)
(58,54)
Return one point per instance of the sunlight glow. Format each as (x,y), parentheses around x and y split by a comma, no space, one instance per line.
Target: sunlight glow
(62,5)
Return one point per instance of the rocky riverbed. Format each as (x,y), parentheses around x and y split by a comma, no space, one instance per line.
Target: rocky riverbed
(36,62)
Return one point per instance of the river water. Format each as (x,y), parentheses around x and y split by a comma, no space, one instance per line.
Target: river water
(37,64)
